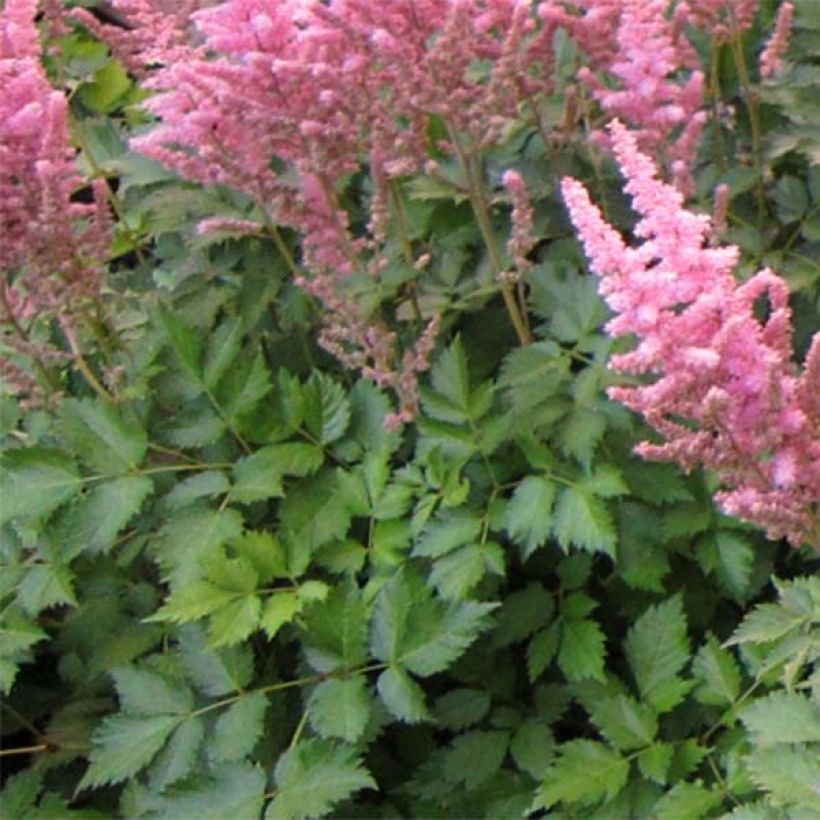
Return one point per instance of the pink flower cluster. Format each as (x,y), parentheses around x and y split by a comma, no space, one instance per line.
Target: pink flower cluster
(771,60)
(724,391)
(53,248)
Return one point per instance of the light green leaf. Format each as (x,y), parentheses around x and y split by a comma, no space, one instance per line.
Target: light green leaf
(782,717)
(180,755)
(340,708)
(654,762)
(213,672)
(529,513)
(200,485)
(585,773)
(280,609)
(718,673)
(582,650)
(445,533)
(238,728)
(460,708)
(657,648)
(730,557)
(264,552)
(45,585)
(766,622)
(402,696)
(102,436)
(624,722)
(93,522)
(145,692)
(233,622)
(124,745)
(223,347)
(327,408)
(335,630)
(584,520)
(35,481)
(475,757)
(542,649)
(458,572)
(689,800)
(190,602)
(312,777)
(788,774)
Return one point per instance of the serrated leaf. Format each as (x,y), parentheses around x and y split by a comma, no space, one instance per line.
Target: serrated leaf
(93,522)
(256,478)
(624,722)
(657,648)
(45,585)
(340,708)
(460,708)
(312,777)
(192,601)
(584,520)
(402,696)
(326,409)
(236,620)
(529,513)
(35,481)
(215,672)
(542,649)
(145,692)
(280,608)
(458,572)
(124,745)
(522,613)
(223,347)
(580,433)
(451,399)
(238,728)
(782,717)
(585,773)
(686,800)
(243,387)
(179,756)
(718,673)
(730,557)
(446,532)
(197,426)
(654,762)
(582,650)
(101,436)
(474,757)
(264,552)
(789,775)
(535,379)
(335,631)
(183,342)
(533,748)
(766,622)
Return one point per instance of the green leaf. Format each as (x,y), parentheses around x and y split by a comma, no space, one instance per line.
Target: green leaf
(402,696)
(223,347)
(529,514)
(624,722)
(93,522)
(475,757)
(313,776)
(789,775)
(766,622)
(584,520)
(522,613)
(183,342)
(244,386)
(35,481)
(340,708)
(654,762)
(451,399)
(335,631)
(458,572)
(791,198)
(327,408)
(533,748)
(782,717)
(180,755)
(233,622)
(460,708)
(730,557)
(192,601)
(585,773)
(690,800)
(280,608)
(657,648)
(446,532)
(201,485)
(213,672)
(45,585)
(542,649)
(238,728)
(101,436)
(535,379)
(582,650)
(718,673)
(144,692)
(259,476)
(264,553)
(124,745)
(197,426)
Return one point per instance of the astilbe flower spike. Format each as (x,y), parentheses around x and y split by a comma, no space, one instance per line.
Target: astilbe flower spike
(722,388)
(771,60)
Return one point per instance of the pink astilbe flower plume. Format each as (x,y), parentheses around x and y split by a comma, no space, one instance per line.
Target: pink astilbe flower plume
(771,60)
(53,250)
(723,390)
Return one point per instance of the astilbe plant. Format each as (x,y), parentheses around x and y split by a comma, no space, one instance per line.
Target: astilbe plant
(723,389)
(54,248)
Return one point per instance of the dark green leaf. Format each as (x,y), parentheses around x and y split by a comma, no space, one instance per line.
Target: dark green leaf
(718,673)
(402,696)
(238,728)
(583,520)
(474,757)
(529,513)
(460,708)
